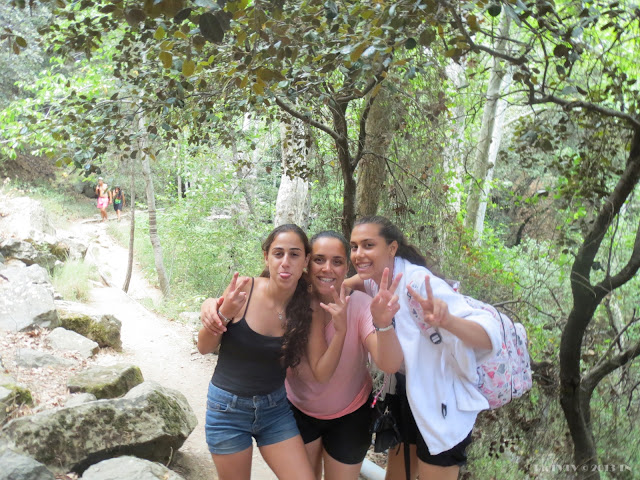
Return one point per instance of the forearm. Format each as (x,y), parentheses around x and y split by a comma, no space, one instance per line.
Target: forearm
(388,352)
(471,333)
(207,341)
(325,366)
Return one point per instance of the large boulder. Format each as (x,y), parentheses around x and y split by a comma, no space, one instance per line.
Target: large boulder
(102,329)
(70,341)
(131,468)
(68,246)
(20,467)
(106,382)
(150,422)
(26,298)
(28,253)
(25,218)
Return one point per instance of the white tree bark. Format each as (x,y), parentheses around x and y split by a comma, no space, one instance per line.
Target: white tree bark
(480,168)
(293,201)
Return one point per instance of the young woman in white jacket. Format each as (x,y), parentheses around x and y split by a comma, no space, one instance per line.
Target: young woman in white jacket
(442,340)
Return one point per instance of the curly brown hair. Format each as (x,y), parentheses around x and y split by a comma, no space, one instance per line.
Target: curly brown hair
(298,310)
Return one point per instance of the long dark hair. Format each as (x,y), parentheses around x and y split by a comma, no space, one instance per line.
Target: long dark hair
(298,310)
(390,233)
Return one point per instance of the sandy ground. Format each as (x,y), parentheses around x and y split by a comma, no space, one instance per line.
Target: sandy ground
(164,350)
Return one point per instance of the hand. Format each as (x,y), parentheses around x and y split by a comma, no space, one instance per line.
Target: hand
(385,304)
(209,316)
(338,309)
(234,297)
(435,312)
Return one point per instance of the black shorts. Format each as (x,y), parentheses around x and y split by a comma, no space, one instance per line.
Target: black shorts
(400,409)
(346,439)
(117,206)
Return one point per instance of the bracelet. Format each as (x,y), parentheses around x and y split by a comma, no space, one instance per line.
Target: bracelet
(224,319)
(388,327)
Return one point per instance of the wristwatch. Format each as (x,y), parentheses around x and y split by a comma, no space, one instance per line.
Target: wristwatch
(387,328)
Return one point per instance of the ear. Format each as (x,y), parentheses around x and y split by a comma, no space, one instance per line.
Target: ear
(265,254)
(306,260)
(393,248)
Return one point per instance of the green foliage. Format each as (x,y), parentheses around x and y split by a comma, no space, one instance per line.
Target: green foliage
(72,280)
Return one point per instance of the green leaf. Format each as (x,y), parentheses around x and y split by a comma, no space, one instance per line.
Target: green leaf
(159,33)
(427,37)
(494,10)
(355,55)
(182,15)
(134,16)
(210,28)
(560,50)
(166,58)
(21,42)
(410,43)
(188,68)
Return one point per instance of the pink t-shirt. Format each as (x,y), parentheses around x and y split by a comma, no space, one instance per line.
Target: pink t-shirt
(349,387)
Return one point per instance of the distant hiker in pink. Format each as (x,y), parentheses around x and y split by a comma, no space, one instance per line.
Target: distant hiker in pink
(104,198)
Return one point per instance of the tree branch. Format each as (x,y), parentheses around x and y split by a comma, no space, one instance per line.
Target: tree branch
(571,104)
(306,119)
(596,374)
(363,131)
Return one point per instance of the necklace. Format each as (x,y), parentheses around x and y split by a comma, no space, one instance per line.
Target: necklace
(280,316)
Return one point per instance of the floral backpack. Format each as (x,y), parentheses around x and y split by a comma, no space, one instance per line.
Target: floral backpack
(506,375)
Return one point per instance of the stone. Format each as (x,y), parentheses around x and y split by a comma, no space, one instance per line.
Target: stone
(21,467)
(131,468)
(79,399)
(26,357)
(26,298)
(106,382)
(103,329)
(69,341)
(28,253)
(25,219)
(149,422)
(12,395)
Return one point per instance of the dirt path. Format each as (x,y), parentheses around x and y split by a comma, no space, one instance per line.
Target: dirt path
(164,350)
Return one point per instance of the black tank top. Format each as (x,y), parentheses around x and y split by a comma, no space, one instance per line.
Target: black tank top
(248,363)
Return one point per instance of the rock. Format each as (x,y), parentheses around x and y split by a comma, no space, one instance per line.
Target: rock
(28,253)
(12,395)
(1,258)
(106,382)
(68,246)
(26,298)
(33,359)
(69,341)
(79,399)
(150,422)
(20,467)
(26,219)
(131,468)
(103,329)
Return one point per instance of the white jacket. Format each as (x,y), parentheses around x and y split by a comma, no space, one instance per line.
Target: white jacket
(441,378)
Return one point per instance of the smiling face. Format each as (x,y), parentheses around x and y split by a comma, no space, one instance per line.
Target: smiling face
(286,259)
(328,266)
(370,253)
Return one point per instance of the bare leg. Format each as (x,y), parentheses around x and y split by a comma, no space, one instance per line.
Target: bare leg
(434,472)
(335,470)
(314,452)
(395,463)
(288,459)
(235,466)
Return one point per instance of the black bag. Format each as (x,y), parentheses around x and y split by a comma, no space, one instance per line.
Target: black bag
(385,427)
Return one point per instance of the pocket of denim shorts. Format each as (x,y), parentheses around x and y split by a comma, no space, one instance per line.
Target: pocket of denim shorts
(217,406)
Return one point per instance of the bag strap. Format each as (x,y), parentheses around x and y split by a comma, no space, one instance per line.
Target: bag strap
(404,412)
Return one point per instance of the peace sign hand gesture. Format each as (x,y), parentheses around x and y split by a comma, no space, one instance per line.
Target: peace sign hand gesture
(435,311)
(385,304)
(234,297)
(338,309)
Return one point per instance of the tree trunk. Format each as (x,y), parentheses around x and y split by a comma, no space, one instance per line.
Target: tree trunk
(132,228)
(292,203)
(179,182)
(372,168)
(163,280)
(481,161)
(574,396)
(496,139)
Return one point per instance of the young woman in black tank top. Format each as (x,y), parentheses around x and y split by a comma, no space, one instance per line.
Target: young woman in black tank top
(268,326)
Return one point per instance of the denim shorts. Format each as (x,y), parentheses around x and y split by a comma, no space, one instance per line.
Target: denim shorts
(232,421)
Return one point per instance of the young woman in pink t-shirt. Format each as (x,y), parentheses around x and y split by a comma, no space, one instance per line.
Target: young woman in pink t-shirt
(331,387)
